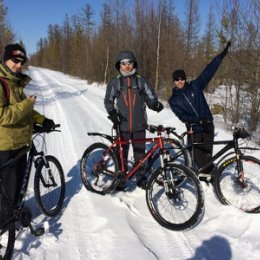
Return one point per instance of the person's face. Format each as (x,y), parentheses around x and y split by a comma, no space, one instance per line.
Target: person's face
(15,65)
(126,66)
(179,83)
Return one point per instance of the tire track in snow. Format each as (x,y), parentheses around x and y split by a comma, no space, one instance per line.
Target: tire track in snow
(69,129)
(138,216)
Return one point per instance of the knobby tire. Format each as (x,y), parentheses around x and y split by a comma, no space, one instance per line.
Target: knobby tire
(183,207)
(230,191)
(98,168)
(49,187)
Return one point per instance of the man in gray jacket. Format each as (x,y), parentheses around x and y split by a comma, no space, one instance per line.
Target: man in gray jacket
(126,98)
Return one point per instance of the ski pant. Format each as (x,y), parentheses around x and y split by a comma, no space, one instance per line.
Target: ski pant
(202,154)
(138,148)
(11,182)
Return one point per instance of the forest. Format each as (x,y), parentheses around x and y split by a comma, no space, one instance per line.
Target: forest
(162,41)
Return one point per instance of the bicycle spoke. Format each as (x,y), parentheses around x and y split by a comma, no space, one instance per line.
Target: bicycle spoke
(179,203)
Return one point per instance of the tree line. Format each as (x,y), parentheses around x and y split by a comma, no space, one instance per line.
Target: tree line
(162,42)
(6,33)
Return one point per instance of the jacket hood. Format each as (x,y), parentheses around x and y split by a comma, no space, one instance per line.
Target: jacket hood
(125,55)
(19,78)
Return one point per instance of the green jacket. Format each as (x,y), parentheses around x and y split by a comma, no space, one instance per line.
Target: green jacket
(16,115)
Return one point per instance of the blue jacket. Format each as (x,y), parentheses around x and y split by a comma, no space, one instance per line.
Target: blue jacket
(189,103)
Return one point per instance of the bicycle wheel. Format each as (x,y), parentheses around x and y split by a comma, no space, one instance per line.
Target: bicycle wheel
(7,240)
(242,193)
(176,203)
(49,186)
(177,154)
(99,167)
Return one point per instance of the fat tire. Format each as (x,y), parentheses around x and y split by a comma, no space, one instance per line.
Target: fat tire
(153,204)
(53,204)
(232,193)
(91,179)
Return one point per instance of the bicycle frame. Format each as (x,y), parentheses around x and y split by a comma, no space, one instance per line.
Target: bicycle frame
(118,142)
(229,144)
(158,144)
(32,153)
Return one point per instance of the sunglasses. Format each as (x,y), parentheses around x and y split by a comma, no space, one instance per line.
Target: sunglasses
(126,63)
(179,79)
(16,61)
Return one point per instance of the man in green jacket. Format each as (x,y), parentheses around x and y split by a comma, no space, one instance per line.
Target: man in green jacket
(17,117)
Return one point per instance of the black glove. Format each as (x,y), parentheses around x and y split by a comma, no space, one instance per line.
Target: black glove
(48,124)
(114,116)
(225,51)
(158,107)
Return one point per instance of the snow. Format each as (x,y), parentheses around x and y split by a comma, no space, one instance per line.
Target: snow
(119,226)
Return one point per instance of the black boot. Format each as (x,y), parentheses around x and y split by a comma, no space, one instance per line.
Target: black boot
(141,179)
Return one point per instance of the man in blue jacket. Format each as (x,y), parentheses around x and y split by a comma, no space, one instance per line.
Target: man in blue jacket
(190,106)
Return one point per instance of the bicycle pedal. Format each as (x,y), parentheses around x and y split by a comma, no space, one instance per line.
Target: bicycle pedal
(39,231)
(205,177)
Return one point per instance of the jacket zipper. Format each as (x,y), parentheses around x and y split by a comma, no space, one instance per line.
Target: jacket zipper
(191,105)
(130,104)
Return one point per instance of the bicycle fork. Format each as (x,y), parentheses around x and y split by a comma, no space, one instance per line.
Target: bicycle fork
(49,172)
(240,172)
(164,156)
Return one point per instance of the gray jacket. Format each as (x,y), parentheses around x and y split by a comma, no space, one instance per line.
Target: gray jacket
(129,95)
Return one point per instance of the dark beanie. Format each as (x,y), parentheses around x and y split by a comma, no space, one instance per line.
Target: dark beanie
(178,74)
(14,51)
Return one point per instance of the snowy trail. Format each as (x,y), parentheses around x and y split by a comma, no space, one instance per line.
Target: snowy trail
(118,226)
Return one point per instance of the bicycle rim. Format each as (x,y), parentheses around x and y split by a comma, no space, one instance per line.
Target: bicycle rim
(182,207)
(7,240)
(245,193)
(98,169)
(49,186)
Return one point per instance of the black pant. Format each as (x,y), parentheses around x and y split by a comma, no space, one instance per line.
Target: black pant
(138,148)
(202,154)
(12,180)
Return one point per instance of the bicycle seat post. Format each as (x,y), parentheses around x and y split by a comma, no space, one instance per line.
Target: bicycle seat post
(190,137)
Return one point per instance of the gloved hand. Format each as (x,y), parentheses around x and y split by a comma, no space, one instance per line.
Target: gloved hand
(114,116)
(225,51)
(48,124)
(159,107)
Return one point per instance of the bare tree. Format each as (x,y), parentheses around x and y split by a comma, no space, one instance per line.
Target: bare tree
(7,36)
(161,7)
(192,24)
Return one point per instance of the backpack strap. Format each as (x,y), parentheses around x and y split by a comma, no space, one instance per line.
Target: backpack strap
(6,88)
(120,83)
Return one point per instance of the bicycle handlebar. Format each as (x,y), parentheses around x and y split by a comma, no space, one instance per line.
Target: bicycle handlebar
(38,129)
(160,129)
(238,132)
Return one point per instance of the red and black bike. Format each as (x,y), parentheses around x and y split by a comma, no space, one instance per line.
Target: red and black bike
(174,195)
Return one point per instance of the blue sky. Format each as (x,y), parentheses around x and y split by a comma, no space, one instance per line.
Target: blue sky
(29,19)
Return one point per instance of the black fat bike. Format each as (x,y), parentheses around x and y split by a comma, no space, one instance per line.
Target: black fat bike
(49,189)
